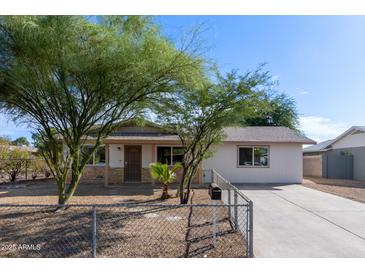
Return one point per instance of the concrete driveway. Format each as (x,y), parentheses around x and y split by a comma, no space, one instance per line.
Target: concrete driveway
(295,221)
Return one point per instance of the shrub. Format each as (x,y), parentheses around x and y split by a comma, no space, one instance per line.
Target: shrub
(38,166)
(13,161)
(164,175)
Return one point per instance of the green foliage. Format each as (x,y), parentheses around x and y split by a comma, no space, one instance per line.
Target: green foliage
(13,161)
(66,75)
(21,141)
(199,115)
(165,175)
(37,167)
(275,110)
(49,148)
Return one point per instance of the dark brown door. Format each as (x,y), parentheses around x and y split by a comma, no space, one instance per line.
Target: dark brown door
(132,163)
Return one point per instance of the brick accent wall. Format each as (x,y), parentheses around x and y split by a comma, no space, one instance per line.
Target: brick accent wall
(95,174)
(116,175)
(146,176)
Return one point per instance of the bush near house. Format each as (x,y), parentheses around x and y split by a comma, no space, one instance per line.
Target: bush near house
(38,167)
(13,162)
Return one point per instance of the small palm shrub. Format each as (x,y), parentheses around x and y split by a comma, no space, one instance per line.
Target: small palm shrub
(164,175)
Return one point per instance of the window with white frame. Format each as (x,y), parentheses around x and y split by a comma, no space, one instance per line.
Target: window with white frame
(253,156)
(97,158)
(170,155)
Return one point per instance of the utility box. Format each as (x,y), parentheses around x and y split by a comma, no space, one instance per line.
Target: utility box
(215,192)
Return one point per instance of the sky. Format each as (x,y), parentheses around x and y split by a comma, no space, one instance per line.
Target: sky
(319,61)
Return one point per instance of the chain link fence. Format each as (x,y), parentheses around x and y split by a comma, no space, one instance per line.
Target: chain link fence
(241,218)
(122,230)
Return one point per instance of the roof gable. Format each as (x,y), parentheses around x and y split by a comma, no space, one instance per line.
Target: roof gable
(351,130)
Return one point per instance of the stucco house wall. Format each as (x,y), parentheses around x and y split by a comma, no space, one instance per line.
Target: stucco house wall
(350,141)
(358,161)
(116,155)
(96,173)
(284,151)
(285,164)
(342,157)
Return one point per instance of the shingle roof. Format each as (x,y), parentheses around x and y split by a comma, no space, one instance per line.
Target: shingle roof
(233,134)
(347,132)
(139,137)
(265,134)
(318,147)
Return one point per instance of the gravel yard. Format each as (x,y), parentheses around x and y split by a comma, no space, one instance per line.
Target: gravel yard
(45,192)
(354,190)
(148,229)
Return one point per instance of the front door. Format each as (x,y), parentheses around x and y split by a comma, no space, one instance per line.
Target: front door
(132,163)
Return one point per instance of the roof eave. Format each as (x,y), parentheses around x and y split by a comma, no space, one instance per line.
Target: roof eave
(309,142)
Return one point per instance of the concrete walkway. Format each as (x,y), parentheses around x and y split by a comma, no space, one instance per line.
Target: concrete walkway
(295,221)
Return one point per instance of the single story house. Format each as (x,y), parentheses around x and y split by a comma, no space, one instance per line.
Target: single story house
(340,158)
(247,155)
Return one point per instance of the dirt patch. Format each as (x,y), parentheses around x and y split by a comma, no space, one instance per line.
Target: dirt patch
(351,189)
(148,227)
(45,192)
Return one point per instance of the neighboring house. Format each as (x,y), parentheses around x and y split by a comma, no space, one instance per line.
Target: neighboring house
(340,158)
(247,155)
(31,150)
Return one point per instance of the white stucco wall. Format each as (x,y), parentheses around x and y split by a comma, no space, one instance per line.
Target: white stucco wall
(285,164)
(146,155)
(355,140)
(116,156)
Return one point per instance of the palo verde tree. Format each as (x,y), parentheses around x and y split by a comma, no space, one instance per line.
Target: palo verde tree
(66,76)
(198,116)
(276,110)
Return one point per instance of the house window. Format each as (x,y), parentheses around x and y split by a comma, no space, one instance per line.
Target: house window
(177,155)
(170,155)
(164,155)
(97,158)
(253,156)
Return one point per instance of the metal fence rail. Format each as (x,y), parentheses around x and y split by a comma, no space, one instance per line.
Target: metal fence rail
(123,230)
(242,220)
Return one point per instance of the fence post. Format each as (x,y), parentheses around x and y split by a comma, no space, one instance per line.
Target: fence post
(235,210)
(214,221)
(250,231)
(26,169)
(229,205)
(94,232)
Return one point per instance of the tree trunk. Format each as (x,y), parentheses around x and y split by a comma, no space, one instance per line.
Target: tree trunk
(66,194)
(184,199)
(12,176)
(165,192)
(186,184)
(182,188)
